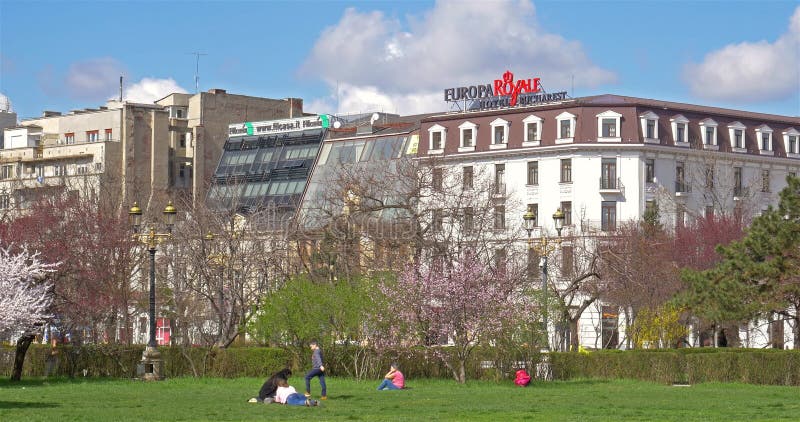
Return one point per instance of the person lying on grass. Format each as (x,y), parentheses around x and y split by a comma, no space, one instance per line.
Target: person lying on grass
(393,380)
(267,393)
(286,394)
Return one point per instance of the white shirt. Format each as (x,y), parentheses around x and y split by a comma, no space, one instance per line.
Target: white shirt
(284,392)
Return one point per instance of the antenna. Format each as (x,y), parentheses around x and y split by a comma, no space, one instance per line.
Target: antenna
(197,55)
(120,88)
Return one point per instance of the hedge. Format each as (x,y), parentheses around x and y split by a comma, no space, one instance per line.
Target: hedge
(775,367)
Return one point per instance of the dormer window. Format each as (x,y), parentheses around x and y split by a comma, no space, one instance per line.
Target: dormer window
(533,131)
(499,133)
(649,122)
(764,137)
(708,131)
(566,127)
(436,138)
(608,127)
(737,136)
(791,142)
(467,131)
(680,130)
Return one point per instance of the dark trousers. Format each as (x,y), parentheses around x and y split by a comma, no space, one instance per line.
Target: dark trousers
(316,373)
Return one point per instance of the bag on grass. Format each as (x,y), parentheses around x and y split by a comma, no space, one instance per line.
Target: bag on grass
(522,379)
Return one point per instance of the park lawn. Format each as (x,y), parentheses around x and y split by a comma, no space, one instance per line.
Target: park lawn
(218,399)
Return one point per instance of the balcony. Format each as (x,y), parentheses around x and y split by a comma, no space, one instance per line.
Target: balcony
(682,188)
(740,192)
(499,190)
(611,185)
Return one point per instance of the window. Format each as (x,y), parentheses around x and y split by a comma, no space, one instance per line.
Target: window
(709,212)
(534,208)
(567,259)
(737,136)
(5,202)
(608,220)
(708,130)
(469,219)
(92,136)
(437,179)
(437,139)
(499,178)
(533,172)
(566,127)
(499,217)
(533,130)
(60,170)
(765,181)
(649,123)
(680,125)
(182,170)
(649,170)
(69,138)
(680,216)
(709,177)
(608,173)
(6,172)
(467,130)
(109,134)
(437,220)
(738,189)
(608,126)
(566,208)
(182,142)
(566,170)
(764,136)
(791,142)
(179,113)
(499,131)
(680,178)
(82,170)
(609,326)
(500,259)
(466,180)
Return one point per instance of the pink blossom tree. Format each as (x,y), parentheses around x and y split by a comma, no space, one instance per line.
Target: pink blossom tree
(464,301)
(25,299)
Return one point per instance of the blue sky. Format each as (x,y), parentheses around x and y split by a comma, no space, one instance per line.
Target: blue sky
(398,56)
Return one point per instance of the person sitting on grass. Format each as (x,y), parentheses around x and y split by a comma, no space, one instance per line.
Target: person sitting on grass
(286,394)
(267,393)
(393,380)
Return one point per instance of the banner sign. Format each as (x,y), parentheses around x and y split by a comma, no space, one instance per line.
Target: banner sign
(279,126)
(504,92)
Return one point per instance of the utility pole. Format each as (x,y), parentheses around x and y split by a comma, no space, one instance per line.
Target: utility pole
(197,55)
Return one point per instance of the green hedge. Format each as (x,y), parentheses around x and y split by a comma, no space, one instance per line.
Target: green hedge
(775,367)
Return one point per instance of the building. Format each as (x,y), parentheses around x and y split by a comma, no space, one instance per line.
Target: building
(129,150)
(605,159)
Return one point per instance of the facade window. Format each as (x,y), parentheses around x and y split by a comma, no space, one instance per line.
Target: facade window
(499,179)
(680,125)
(499,217)
(182,171)
(608,217)
(566,208)
(82,170)
(791,142)
(499,131)
(467,131)
(709,177)
(567,259)
(69,138)
(608,173)
(182,142)
(533,172)
(92,136)
(709,212)
(466,179)
(437,220)
(608,123)
(649,123)
(680,178)
(708,130)
(650,170)
(500,258)
(179,113)
(738,188)
(436,135)
(437,179)
(737,136)
(6,172)
(764,136)
(109,134)
(765,181)
(566,127)
(98,167)
(533,130)
(566,170)
(680,216)
(5,202)
(60,170)
(469,219)
(534,208)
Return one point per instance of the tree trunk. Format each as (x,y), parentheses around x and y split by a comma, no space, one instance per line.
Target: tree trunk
(19,357)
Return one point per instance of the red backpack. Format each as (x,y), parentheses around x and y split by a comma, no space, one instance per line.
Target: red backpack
(522,379)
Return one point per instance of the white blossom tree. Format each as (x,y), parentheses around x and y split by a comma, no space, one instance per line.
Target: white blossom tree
(25,298)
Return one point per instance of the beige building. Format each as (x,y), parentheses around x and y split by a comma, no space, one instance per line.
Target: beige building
(171,146)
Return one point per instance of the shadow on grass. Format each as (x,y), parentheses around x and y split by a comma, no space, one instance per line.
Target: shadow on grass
(42,382)
(25,405)
(561,383)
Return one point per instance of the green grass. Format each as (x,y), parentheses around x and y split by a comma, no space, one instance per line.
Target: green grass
(217,399)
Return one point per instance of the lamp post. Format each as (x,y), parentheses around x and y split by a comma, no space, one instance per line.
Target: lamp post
(543,249)
(151,358)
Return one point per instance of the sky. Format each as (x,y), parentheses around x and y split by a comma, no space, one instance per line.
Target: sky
(398,56)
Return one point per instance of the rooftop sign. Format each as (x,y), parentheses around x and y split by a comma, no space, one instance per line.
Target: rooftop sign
(279,126)
(504,92)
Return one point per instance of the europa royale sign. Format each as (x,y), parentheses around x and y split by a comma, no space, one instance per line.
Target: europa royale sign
(504,92)
(279,126)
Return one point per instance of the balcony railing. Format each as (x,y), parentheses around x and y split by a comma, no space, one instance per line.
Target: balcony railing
(499,189)
(682,187)
(611,184)
(739,191)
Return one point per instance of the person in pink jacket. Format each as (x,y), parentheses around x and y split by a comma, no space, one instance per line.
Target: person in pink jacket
(393,380)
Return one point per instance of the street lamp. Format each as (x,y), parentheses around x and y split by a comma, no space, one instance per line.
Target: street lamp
(543,249)
(151,358)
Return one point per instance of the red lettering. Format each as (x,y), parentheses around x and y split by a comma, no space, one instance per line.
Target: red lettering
(536,86)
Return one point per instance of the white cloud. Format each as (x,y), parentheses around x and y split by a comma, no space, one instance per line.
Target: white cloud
(750,71)
(94,79)
(149,90)
(375,60)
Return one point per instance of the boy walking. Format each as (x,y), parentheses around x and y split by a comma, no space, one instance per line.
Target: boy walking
(317,370)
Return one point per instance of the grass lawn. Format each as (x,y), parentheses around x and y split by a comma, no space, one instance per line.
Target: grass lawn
(226,399)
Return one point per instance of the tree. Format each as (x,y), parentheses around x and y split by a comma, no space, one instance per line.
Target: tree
(463,300)
(25,299)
